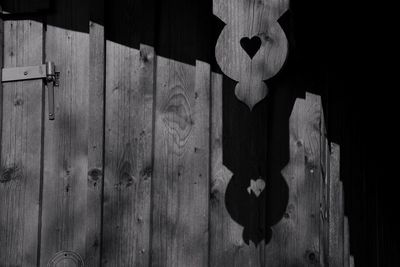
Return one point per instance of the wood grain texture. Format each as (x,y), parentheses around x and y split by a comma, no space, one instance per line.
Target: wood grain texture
(128,155)
(20,172)
(181,165)
(133,110)
(324,192)
(336,209)
(66,148)
(295,239)
(227,247)
(95,144)
(248,18)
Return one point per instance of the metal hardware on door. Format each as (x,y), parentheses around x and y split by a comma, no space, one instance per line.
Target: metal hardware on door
(45,71)
(52,78)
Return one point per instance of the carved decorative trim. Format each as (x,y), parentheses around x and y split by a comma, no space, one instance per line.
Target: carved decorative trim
(252,47)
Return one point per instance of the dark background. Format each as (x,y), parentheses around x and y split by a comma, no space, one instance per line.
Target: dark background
(336,50)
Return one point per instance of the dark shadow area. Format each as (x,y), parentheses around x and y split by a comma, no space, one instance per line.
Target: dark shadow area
(23,6)
(256,146)
(332,52)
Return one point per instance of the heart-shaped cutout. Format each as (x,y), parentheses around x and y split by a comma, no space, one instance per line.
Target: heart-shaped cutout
(256,187)
(251,46)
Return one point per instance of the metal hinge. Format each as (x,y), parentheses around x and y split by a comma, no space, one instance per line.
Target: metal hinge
(45,71)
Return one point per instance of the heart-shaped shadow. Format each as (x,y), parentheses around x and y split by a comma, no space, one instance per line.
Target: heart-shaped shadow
(251,46)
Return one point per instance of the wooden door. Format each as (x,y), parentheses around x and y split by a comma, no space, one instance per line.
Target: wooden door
(44,162)
(131,171)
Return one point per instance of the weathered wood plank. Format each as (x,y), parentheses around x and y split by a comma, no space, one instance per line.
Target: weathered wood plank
(128,155)
(66,146)
(1,66)
(346,246)
(324,224)
(295,240)
(181,165)
(21,151)
(95,143)
(336,210)
(227,247)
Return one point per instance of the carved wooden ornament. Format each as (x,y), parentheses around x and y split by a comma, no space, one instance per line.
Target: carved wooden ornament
(252,47)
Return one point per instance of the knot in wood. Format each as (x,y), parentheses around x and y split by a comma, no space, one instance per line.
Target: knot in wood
(18,102)
(311,257)
(9,173)
(177,116)
(146,172)
(95,174)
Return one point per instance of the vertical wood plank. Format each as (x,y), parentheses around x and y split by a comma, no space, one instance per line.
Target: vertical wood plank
(21,149)
(352,261)
(66,146)
(181,165)
(95,144)
(1,66)
(295,240)
(128,155)
(324,224)
(336,211)
(346,246)
(227,247)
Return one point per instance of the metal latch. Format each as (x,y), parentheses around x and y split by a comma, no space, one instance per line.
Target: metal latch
(52,79)
(45,71)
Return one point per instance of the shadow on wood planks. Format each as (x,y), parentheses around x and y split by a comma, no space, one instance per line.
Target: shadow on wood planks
(325,40)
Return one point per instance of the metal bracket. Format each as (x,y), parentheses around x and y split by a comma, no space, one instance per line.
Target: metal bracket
(45,71)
